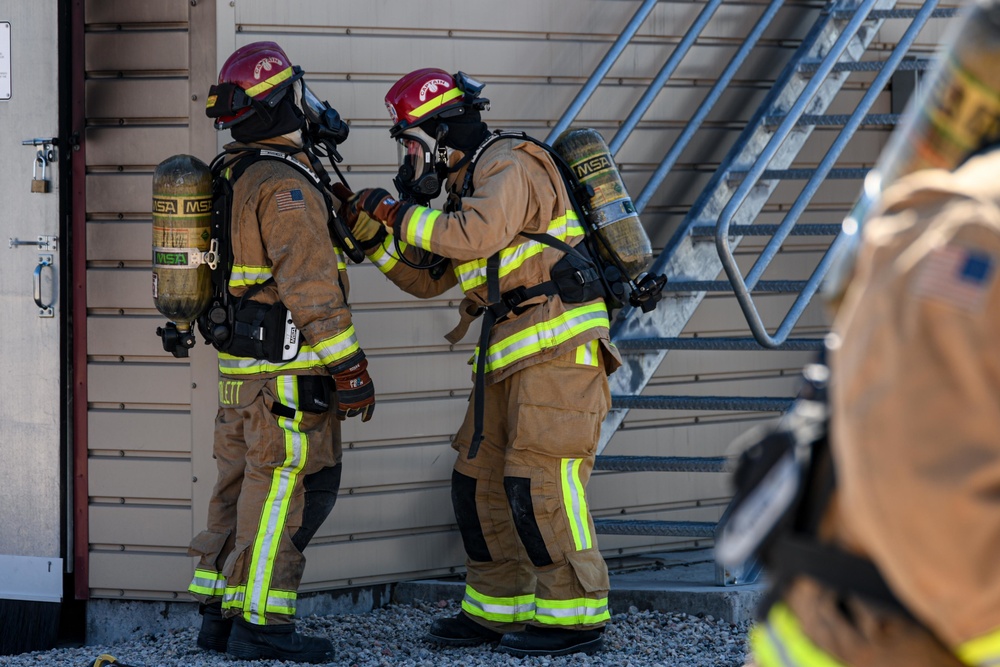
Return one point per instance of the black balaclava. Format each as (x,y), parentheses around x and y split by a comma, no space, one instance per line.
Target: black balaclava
(465,132)
(270,123)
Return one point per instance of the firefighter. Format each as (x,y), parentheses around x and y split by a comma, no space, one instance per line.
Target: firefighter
(900,567)
(277,433)
(536,581)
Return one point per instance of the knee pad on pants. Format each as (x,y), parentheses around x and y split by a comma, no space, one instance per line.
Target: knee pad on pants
(321,488)
(463,499)
(521,507)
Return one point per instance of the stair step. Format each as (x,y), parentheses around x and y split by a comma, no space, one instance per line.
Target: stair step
(737,175)
(737,403)
(816,229)
(775,286)
(715,343)
(916,64)
(661,463)
(879,14)
(835,120)
(667,528)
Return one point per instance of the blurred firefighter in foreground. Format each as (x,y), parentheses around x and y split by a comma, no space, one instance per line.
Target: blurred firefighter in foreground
(536,581)
(888,556)
(290,363)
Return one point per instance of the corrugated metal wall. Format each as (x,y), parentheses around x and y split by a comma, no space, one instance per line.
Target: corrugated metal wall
(149,66)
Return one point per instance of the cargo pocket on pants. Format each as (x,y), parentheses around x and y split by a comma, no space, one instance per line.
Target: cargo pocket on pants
(208,545)
(590,569)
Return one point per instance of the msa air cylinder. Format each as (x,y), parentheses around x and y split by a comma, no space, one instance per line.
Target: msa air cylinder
(610,210)
(182,247)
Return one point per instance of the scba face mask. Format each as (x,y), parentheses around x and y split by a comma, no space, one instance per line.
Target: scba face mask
(423,163)
(323,122)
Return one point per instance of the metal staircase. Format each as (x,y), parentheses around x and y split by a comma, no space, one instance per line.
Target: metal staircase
(725,212)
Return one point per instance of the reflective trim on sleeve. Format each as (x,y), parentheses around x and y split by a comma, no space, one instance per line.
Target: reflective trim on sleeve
(207,582)
(502,610)
(338,348)
(473,274)
(575,503)
(581,611)
(981,651)
(545,335)
(274,513)
(779,641)
(383,256)
(420,226)
(244,275)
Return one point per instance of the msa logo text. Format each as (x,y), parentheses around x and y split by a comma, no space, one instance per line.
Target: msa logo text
(591,166)
(182,206)
(170,258)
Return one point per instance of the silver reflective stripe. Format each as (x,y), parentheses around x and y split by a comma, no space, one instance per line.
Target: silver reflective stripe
(544,336)
(572,612)
(242,275)
(275,510)
(577,504)
(504,609)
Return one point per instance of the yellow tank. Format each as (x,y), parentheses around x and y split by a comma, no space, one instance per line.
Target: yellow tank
(182,214)
(610,209)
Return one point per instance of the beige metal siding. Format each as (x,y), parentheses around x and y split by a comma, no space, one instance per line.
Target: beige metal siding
(151,415)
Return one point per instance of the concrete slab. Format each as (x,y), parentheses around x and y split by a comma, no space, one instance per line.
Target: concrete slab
(668,582)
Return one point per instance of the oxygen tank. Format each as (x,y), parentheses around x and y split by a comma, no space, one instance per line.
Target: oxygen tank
(183,250)
(610,209)
(956,113)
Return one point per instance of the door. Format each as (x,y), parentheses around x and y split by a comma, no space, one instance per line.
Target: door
(33,492)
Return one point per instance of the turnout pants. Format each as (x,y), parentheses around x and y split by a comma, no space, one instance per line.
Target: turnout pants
(278,477)
(521,503)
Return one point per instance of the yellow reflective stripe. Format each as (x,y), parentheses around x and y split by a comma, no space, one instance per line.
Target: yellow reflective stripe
(274,513)
(435,102)
(780,642)
(207,582)
(545,335)
(239,366)
(233,598)
(383,257)
(473,274)
(586,354)
(420,226)
(575,503)
(501,610)
(983,650)
(341,259)
(244,275)
(581,611)
(337,348)
(267,84)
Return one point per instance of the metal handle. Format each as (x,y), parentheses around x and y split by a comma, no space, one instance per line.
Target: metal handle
(43,310)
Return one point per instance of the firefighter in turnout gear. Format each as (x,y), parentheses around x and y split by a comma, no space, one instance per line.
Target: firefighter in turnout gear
(536,581)
(900,568)
(277,433)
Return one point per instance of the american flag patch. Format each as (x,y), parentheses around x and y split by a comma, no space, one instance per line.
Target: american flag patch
(291,200)
(956,275)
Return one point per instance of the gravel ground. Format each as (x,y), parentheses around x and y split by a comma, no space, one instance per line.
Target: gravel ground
(393,636)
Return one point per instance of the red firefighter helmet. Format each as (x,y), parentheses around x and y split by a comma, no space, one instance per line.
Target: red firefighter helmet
(258,73)
(428,93)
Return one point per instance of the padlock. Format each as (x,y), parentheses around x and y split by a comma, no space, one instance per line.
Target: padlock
(39,184)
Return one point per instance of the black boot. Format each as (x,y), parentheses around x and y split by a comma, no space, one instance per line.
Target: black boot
(214,633)
(276,642)
(535,640)
(460,630)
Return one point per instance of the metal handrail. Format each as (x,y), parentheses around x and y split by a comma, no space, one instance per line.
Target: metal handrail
(706,106)
(656,85)
(741,286)
(602,69)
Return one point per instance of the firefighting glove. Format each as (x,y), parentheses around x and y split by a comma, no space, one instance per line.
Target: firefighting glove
(382,206)
(355,392)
